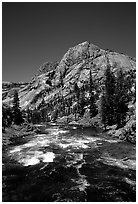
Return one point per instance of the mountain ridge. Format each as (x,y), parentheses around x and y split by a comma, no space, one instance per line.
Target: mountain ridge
(73,68)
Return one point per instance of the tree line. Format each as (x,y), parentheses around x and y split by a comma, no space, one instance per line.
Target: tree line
(113,102)
(12,115)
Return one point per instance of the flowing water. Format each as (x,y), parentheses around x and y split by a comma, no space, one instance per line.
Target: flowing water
(70,164)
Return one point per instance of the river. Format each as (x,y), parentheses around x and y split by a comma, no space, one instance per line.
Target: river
(70,164)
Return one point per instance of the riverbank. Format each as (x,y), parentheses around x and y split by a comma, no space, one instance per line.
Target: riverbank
(128,132)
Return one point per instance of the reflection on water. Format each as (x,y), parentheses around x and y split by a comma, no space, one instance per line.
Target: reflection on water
(128,164)
(30,154)
(83,161)
(36,157)
(78,144)
(48,157)
(57,132)
(29,160)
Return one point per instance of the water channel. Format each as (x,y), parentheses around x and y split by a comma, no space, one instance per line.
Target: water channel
(70,164)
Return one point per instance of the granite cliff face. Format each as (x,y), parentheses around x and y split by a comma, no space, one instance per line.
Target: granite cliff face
(88,164)
(73,68)
(8,88)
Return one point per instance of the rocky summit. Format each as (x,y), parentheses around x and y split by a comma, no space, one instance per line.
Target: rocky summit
(74,67)
(56,80)
(55,130)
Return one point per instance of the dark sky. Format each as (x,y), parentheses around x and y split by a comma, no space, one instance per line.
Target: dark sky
(33,33)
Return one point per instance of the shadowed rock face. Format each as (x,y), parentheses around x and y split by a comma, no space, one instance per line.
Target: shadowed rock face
(74,67)
(8,88)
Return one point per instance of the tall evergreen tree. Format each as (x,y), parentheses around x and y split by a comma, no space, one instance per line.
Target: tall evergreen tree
(7,116)
(110,83)
(81,102)
(93,108)
(29,115)
(77,91)
(121,99)
(4,118)
(108,97)
(17,115)
(103,111)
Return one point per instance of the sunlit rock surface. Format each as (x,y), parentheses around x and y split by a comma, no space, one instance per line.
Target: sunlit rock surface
(74,68)
(84,165)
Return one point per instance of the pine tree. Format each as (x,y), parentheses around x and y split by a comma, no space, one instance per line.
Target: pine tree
(77,91)
(4,119)
(93,108)
(108,105)
(81,102)
(121,99)
(103,111)
(17,115)
(29,115)
(91,86)
(7,117)
(110,83)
